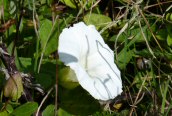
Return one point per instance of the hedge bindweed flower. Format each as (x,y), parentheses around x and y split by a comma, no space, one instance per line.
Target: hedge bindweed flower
(83,49)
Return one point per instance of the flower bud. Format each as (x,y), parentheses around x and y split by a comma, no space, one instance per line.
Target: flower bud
(13,87)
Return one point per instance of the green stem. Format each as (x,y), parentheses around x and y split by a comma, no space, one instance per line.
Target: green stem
(164,97)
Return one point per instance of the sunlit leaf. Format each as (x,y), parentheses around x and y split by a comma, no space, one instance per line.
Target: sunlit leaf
(53,39)
(24,62)
(124,58)
(169,40)
(67,78)
(49,36)
(4,113)
(49,111)
(169,16)
(98,20)
(45,31)
(69,3)
(9,108)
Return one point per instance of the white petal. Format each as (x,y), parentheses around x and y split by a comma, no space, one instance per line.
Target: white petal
(82,48)
(100,87)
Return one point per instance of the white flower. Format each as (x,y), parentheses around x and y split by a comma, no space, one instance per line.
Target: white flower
(83,49)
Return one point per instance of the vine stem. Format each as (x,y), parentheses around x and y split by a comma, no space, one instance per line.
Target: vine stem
(37,112)
(18,22)
(56,87)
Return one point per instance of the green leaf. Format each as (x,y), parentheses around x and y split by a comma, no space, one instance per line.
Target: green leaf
(43,1)
(77,101)
(69,3)
(46,76)
(12,7)
(62,112)
(24,62)
(53,39)
(161,34)
(4,113)
(67,78)
(98,20)
(82,4)
(134,33)
(4,4)
(44,31)
(169,40)
(124,58)
(26,109)
(169,16)
(159,54)
(169,29)
(49,111)
(9,108)
(49,36)
(45,80)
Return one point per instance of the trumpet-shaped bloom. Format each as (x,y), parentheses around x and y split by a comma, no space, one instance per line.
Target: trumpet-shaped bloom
(83,49)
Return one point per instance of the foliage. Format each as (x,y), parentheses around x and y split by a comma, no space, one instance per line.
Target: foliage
(139,32)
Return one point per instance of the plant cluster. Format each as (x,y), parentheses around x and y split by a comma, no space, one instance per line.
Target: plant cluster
(138,31)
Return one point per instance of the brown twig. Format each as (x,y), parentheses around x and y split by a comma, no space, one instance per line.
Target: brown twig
(7,25)
(8,60)
(150,29)
(137,97)
(147,7)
